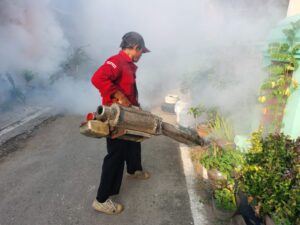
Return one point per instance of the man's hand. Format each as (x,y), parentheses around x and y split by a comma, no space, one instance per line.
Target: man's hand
(121,99)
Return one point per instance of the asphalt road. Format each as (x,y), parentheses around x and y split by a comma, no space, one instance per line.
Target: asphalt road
(54,176)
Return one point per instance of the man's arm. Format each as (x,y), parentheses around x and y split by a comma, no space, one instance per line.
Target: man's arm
(103,79)
(121,98)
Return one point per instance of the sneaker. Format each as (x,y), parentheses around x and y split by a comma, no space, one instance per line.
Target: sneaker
(142,175)
(108,207)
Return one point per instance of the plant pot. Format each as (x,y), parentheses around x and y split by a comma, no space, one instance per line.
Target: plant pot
(238,220)
(216,178)
(289,72)
(269,221)
(268,119)
(203,130)
(225,144)
(272,101)
(221,214)
(201,171)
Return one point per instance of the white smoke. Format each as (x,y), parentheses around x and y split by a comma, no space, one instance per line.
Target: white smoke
(30,37)
(184,38)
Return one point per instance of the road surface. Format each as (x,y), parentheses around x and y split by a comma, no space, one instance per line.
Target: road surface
(53,176)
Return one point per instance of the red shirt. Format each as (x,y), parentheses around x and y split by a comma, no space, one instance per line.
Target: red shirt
(117,73)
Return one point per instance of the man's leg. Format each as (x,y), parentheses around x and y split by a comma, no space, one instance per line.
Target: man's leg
(133,157)
(112,169)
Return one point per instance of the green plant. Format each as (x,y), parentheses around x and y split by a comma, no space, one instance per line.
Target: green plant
(211,114)
(225,199)
(226,161)
(196,111)
(220,126)
(222,129)
(28,75)
(279,84)
(272,176)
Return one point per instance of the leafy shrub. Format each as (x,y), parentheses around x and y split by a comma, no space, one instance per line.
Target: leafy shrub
(279,85)
(225,199)
(221,129)
(272,176)
(226,161)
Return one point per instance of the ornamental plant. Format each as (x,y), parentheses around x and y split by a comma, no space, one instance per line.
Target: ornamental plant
(199,110)
(225,199)
(271,177)
(211,114)
(225,161)
(196,112)
(228,162)
(279,84)
(221,129)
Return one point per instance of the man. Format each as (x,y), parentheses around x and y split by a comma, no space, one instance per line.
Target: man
(115,80)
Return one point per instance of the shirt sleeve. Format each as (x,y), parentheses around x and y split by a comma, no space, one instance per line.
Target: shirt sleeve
(103,79)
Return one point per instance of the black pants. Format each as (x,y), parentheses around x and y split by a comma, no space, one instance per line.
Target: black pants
(119,152)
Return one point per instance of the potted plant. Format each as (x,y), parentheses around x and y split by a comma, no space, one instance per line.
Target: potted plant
(204,128)
(271,177)
(223,203)
(196,112)
(222,132)
(221,165)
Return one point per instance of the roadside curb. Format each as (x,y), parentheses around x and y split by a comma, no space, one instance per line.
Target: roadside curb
(25,123)
(197,208)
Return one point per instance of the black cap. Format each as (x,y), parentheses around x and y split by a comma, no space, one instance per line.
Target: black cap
(131,39)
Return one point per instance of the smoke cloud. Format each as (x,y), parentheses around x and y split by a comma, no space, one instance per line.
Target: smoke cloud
(214,46)
(30,38)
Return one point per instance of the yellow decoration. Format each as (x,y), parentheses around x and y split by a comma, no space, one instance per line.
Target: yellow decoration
(294,84)
(262,99)
(273,84)
(287,92)
(290,68)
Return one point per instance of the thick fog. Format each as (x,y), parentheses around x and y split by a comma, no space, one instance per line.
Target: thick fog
(210,50)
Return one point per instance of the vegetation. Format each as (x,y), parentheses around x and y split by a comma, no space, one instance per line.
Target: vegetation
(73,64)
(226,161)
(196,112)
(279,84)
(221,129)
(211,114)
(271,176)
(270,172)
(225,199)
(28,75)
